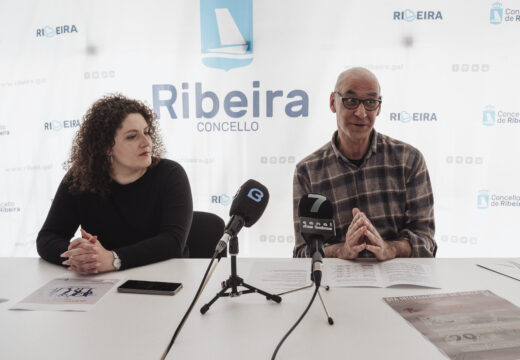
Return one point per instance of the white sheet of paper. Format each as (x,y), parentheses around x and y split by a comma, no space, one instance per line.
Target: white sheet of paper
(380,274)
(507,268)
(353,274)
(402,272)
(276,277)
(68,294)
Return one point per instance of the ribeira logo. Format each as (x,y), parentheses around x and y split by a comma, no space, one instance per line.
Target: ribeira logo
(406,117)
(49,32)
(498,15)
(410,15)
(483,199)
(249,105)
(226,28)
(488,116)
(59,125)
(227,43)
(491,117)
(223,199)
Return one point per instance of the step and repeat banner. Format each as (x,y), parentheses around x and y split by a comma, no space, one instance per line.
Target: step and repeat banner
(242,88)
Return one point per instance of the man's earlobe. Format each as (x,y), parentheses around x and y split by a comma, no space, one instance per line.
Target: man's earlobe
(332,103)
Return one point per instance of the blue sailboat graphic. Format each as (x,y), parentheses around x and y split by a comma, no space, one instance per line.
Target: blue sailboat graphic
(496,14)
(226,40)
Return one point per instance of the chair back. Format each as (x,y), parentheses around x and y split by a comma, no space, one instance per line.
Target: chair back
(205,232)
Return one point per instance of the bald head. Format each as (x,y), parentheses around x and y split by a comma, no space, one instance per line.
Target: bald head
(356,73)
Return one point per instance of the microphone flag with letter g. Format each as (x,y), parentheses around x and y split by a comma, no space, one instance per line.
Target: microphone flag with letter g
(250,202)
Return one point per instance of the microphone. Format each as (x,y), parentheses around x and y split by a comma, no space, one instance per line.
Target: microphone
(247,207)
(316,227)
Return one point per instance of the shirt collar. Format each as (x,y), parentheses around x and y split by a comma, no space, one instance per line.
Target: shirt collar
(372,149)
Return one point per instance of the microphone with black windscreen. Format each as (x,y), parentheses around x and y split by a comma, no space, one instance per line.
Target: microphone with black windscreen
(316,227)
(247,207)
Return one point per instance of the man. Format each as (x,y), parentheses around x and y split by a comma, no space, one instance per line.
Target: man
(379,187)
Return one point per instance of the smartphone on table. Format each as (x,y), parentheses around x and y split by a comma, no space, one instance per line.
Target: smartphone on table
(150,287)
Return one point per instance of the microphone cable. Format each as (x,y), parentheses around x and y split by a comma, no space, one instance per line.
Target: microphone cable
(203,283)
(296,324)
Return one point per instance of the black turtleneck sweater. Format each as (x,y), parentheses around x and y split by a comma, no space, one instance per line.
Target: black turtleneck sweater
(143,222)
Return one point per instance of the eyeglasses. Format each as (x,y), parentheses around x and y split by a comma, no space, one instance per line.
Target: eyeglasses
(353,103)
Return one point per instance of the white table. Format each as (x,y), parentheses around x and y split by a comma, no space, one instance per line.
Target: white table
(134,326)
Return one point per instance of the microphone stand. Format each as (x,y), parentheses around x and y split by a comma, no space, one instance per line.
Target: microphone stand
(234,281)
(326,287)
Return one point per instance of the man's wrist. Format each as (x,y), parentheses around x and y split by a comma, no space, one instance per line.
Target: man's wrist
(331,250)
(402,248)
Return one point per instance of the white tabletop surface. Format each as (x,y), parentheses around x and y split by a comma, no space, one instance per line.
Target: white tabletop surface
(135,326)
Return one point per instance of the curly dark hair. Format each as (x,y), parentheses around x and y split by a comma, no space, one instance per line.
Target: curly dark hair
(89,164)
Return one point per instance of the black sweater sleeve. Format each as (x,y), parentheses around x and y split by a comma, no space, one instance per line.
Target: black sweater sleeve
(176,212)
(59,227)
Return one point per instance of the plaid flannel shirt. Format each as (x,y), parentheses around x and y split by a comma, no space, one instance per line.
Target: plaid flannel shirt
(391,186)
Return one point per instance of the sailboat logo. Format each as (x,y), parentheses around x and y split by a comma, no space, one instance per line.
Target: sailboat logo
(488,116)
(226,33)
(483,199)
(496,14)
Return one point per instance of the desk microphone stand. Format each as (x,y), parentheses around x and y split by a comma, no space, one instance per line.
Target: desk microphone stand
(326,287)
(234,281)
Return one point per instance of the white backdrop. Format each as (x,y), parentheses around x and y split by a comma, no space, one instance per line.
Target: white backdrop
(448,71)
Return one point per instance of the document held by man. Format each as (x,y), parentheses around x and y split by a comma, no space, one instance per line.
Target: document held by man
(380,274)
(67,294)
(472,325)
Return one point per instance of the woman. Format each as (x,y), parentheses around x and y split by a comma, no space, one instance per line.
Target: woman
(134,208)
